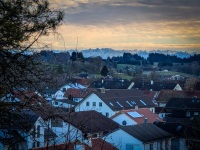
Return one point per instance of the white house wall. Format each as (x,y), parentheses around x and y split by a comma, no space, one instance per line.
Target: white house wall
(121,139)
(122,117)
(178,87)
(40,139)
(94,98)
(63,133)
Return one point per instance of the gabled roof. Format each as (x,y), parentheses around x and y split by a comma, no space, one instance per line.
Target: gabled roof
(146,132)
(150,94)
(90,121)
(96,144)
(166,95)
(29,97)
(100,144)
(111,84)
(183,103)
(23,120)
(139,115)
(154,86)
(78,93)
(122,99)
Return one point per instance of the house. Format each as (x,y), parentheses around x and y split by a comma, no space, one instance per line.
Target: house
(112,84)
(11,140)
(109,102)
(60,93)
(165,95)
(140,137)
(95,144)
(182,120)
(23,126)
(157,86)
(82,80)
(77,94)
(151,95)
(135,116)
(24,97)
(65,103)
(73,126)
(187,108)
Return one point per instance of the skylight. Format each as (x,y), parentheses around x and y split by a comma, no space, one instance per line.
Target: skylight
(134,114)
(119,104)
(129,103)
(143,102)
(111,104)
(133,102)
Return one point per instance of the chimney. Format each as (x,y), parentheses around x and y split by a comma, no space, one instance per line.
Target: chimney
(145,120)
(102,90)
(102,81)
(151,82)
(136,106)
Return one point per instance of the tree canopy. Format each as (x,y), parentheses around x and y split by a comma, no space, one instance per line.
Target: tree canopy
(104,71)
(23,22)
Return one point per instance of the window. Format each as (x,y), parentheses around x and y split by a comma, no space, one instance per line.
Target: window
(94,104)
(196,113)
(38,131)
(151,146)
(87,103)
(188,114)
(38,144)
(129,147)
(107,114)
(100,104)
(33,145)
(33,133)
(56,103)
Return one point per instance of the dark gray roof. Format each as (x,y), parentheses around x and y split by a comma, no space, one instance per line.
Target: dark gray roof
(183,103)
(146,132)
(111,84)
(120,99)
(156,86)
(90,121)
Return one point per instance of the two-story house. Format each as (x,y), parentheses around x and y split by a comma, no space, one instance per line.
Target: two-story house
(108,102)
(140,137)
(135,116)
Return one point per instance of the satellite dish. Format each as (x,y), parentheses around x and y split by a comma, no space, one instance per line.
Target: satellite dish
(124,122)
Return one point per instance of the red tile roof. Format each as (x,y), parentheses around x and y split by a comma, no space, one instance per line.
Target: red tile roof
(29,97)
(143,112)
(97,144)
(78,93)
(149,94)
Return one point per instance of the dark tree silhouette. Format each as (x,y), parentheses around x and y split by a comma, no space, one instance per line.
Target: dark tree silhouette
(104,71)
(22,23)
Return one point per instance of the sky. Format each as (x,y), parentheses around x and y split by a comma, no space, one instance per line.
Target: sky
(128,24)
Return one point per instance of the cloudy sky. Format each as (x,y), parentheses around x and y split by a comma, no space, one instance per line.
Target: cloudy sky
(128,24)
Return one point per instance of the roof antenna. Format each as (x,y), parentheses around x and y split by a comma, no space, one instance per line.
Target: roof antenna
(76,43)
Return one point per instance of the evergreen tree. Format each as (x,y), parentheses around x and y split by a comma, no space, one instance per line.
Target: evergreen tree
(104,71)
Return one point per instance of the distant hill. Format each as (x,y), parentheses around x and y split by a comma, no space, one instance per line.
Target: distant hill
(105,52)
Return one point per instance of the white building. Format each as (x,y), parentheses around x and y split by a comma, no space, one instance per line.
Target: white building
(109,102)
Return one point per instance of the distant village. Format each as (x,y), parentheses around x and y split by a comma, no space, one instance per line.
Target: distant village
(85,112)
